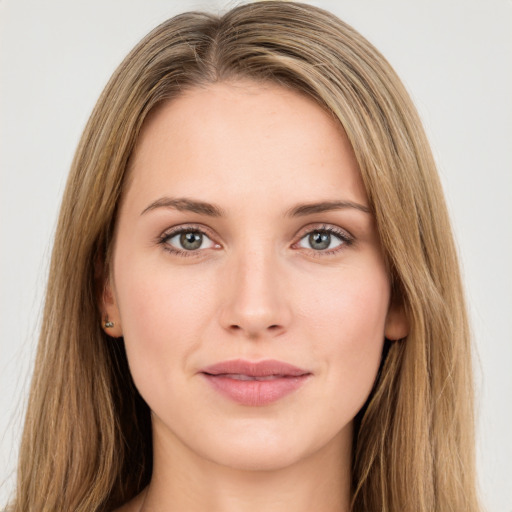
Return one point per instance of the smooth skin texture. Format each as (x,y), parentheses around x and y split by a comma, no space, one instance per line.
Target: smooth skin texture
(259,277)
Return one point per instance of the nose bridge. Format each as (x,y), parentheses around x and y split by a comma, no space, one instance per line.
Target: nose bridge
(255,303)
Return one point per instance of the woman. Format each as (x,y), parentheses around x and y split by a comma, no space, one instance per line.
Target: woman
(254,300)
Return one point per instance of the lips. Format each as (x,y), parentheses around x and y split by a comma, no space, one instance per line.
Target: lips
(255,383)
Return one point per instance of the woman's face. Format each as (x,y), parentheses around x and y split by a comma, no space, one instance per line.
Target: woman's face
(244,237)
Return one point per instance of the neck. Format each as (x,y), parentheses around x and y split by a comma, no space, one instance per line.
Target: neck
(182,480)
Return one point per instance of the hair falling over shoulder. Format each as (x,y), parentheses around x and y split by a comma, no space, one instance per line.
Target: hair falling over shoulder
(87,438)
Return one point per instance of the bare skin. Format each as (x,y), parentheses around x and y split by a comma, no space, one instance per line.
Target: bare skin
(269,277)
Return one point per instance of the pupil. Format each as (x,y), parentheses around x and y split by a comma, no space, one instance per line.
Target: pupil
(319,240)
(191,240)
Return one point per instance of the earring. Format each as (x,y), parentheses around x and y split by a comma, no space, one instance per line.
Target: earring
(108,324)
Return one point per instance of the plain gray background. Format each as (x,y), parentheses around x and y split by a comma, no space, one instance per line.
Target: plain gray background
(455,58)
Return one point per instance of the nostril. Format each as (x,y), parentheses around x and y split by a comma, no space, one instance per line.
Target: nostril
(274,327)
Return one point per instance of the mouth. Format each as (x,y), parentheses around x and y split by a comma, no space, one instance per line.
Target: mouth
(241,376)
(255,383)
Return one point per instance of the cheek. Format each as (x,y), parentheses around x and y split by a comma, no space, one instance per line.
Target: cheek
(347,320)
(163,314)
(350,304)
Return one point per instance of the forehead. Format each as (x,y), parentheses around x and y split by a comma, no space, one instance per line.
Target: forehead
(244,139)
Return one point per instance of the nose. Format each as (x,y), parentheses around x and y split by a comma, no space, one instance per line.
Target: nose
(255,303)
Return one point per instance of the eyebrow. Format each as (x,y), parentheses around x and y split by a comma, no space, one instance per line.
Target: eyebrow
(325,206)
(185,204)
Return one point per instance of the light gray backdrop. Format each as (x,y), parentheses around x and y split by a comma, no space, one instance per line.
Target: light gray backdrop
(455,57)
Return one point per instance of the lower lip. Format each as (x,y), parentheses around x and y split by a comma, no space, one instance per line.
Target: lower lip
(255,392)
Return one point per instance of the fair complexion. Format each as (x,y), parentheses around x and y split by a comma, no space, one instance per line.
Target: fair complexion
(245,234)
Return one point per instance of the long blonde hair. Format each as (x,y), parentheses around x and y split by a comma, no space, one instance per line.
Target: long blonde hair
(87,438)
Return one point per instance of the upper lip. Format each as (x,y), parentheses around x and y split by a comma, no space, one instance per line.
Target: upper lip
(264,368)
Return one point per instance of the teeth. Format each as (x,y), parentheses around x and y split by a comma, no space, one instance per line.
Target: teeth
(239,376)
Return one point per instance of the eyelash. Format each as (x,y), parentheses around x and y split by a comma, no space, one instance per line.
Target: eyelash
(164,238)
(345,238)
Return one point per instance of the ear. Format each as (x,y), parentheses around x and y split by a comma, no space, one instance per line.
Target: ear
(110,318)
(397,323)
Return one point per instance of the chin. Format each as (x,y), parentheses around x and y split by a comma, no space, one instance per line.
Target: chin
(260,449)
(258,458)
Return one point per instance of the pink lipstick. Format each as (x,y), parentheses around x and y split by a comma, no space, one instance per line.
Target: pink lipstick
(255,383)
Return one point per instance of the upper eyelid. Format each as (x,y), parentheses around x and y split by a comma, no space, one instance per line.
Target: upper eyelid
(179,228)
(332,228)
(201,227)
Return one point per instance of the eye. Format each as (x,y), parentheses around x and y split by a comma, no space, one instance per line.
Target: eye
(188,240)
(325,239)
